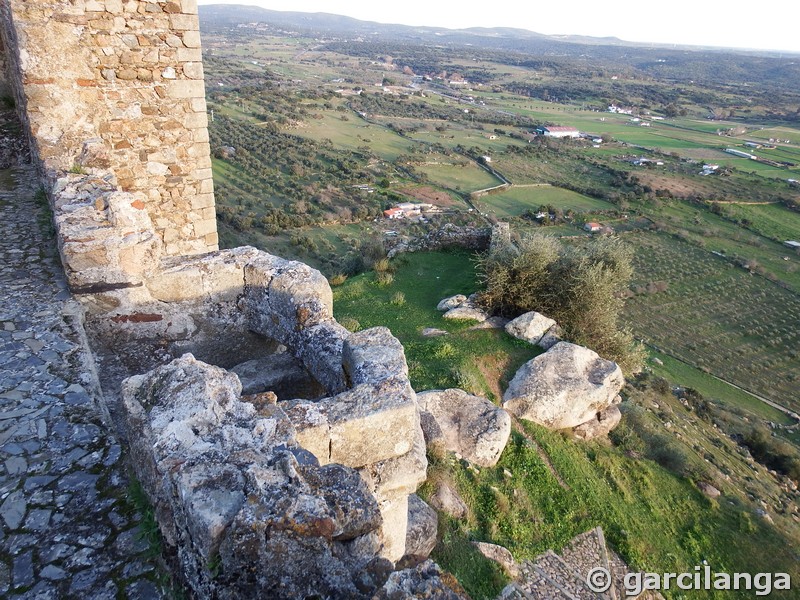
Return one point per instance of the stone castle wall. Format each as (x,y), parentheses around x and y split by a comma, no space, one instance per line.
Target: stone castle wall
(116,86)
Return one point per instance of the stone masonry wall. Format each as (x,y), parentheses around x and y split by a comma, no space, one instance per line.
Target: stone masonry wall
(117,85)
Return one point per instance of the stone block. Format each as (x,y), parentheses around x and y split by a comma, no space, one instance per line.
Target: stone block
(193,70)
(395,528)
(372,355)
(205,227)
(184,22)
(365,425)
(191,39)
(184,88)
(203,200)
(189,7)
(189,55)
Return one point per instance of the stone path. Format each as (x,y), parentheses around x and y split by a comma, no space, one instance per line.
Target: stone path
(564,577)
(69,529)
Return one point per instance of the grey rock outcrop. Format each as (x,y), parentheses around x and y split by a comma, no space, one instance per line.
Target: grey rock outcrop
(491,323)
(564,387)
(231,486)
(434,332)
(468,313)
(447,500)
(468,425)
(422,528)
(500,555)
(424,581)
(451,302)
(530,327)
(551,338)
(708,489)
(600,425)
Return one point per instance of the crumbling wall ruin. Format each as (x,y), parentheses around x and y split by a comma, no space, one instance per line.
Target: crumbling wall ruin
(359,450)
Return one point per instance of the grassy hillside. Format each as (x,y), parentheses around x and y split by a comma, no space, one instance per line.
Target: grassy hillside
(547,488)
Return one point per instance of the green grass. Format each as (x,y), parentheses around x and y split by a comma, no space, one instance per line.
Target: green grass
(353,134)
(685,375)
(473,360)
(655,519)
(466,178)
(774,221)
(517,200)
(782,133)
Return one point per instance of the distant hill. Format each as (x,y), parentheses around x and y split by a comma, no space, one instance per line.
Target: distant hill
(508,38)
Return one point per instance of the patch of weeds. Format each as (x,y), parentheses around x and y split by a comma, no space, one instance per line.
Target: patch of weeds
(45,217)
(398,299)
(77,170)
(352,325)
(148,526)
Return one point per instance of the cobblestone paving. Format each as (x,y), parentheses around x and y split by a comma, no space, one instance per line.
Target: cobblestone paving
(68,527)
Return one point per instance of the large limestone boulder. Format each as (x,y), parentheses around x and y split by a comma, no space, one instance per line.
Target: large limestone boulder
(361,426)
(423,581)
(599,426)
(468,425)
(373,355)
(500,555)
(551,338)
(564,387)
(530,327)
(447,500)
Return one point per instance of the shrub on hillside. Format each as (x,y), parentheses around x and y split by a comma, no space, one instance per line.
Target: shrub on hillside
(581,287)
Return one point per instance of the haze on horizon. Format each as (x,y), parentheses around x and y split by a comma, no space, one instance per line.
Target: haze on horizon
(683,22)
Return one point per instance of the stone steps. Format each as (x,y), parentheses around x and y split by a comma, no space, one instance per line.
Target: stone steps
(551,576)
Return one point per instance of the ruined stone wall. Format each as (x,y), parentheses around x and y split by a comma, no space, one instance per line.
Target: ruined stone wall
(117,86)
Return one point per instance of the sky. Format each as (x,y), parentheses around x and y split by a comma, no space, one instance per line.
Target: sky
(734,24)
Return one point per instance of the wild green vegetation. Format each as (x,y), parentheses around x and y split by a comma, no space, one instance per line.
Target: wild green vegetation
(580,286)
(546,488)
(314,140)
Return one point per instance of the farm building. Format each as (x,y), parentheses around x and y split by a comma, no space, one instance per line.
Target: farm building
(559,132)
(394,213)
(593,227)
(739,153)
(792,244)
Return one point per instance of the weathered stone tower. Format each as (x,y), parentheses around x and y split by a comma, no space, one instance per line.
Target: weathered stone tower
(114,89)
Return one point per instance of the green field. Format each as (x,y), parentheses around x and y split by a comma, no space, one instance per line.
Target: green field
(782,133)
(770,220)
(716,316)
(517,200)
(684,375)
(354,133)
(467,178)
